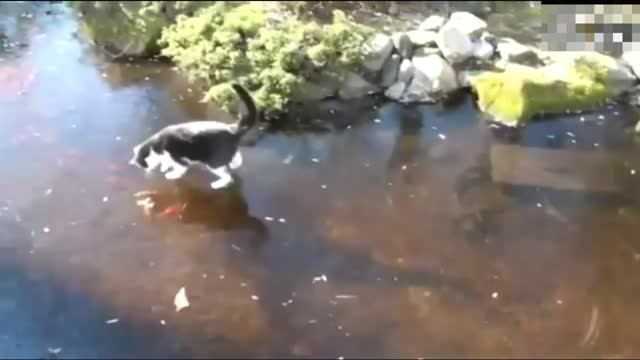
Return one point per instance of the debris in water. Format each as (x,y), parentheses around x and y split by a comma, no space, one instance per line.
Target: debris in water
(105,199)
(162,322)
(346,297)
(312,321)
(287,160)
(377,121)
(592,329)
(282,220)
(539,205)
(559,302)
(204,276)
(46,229)
(236,248)
(268,218)
(633,171)
(442,136)
(48,192)
(581,118)
(315,160)
(494,295)
(404,167)
(221,277)
(570,134)
(323,186)
(118,138)
(112,321)
(54,351)
(181,300)
(322,277)
(601,117)
(254,297)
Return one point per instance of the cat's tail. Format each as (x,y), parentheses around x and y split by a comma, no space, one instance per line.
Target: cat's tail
(251,116)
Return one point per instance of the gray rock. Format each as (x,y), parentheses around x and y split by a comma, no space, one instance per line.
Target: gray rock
(378,49)
(512,51)
(482,50)
(390,70)
(455,45)
(422,37)
(403,45)
(467,23)
(432,23)
(424,51)
(406,71)
(319,90)
(433,77)
(396,90)
(355,86)
(632,58)
(465,77)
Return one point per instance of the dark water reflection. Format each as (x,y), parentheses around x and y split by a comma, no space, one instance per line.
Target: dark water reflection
(423,253)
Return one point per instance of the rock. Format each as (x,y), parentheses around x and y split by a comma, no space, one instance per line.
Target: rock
(378,50)
(433,77)
(405,72)
(129,29)
(393,8)
(466,77)
(402,43)
(519,93)
(390,70)
(432,23)
(454,43)
(619,77)
(482,50)
(354,86)
(467,23)
(316,90)
(396,90)
(512,51)
(424,51)
(422,37)
(632,58)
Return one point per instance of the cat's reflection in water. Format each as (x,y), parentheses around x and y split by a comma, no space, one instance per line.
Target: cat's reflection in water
(224,209)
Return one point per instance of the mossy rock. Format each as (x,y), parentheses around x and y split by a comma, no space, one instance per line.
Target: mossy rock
(518,94)
(130,28)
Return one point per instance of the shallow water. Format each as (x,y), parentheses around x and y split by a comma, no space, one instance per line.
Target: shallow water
(388,239)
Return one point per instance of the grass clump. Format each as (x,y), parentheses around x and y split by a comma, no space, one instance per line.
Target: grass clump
(257,44)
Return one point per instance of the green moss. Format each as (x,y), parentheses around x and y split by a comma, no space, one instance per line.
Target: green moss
(251,44)
(515,96)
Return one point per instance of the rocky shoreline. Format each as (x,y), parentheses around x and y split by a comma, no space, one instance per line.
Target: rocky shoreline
(443,56)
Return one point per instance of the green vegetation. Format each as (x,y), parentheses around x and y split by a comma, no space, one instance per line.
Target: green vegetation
(515,96)
(261,46)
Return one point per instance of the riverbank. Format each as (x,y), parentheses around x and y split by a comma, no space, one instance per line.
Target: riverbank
(295,53)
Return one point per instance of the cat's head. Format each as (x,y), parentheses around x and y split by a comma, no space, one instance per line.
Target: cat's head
(139,158)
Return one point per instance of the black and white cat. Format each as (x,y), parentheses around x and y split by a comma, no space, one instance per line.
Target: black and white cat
(212,144)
